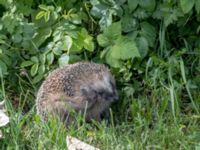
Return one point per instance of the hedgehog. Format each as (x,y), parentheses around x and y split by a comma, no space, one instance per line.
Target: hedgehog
(84,87)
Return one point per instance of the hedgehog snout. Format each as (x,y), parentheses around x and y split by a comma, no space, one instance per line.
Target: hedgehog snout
(113,98)
(108,96)
(116,98)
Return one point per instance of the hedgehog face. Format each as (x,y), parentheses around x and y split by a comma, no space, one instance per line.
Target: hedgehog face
(107,96)
(104,90)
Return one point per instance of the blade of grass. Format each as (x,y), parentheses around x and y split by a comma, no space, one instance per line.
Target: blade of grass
(186,85)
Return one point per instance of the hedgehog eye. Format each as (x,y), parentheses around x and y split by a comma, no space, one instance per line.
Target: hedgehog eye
(100,92)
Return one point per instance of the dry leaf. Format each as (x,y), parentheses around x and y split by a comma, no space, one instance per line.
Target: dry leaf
(3,117)
(75,144)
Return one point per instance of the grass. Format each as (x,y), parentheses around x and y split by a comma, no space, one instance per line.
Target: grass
(162,115)
(159,107)
(143,124)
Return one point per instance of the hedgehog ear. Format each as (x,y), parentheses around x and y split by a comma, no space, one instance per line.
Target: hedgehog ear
(88,92)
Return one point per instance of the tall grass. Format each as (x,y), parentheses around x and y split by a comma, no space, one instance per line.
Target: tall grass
(146,123)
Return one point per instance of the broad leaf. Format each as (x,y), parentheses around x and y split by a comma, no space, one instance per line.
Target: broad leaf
(26,63)
(57,50)
(187,5)
(113,31)
(34,59)
(41,36)
(17,38)
(41,69)
(34,69)
(124,48)
(197,6)
(148,5)
(87,40)
(149,32)
(38,78)
(40,15)
(102,40)
(67,42)
(42,58)
(88,44)
(112,61)
(132,4)
(129,23)
(76,46)
(63,60)
(50,58)
(143,46)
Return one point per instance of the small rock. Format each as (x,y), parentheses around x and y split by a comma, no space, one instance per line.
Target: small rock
(75,144)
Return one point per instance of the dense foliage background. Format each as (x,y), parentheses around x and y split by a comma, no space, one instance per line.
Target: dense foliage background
(152,48)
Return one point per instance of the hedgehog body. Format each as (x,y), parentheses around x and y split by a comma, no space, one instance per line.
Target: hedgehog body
(82,87)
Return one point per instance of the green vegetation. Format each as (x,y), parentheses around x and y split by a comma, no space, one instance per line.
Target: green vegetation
(152,48)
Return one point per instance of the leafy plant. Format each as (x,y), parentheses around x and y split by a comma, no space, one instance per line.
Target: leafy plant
(152,48)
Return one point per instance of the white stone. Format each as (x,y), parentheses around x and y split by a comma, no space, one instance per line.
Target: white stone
(75,144)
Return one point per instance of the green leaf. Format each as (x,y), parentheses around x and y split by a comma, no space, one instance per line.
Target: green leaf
(34,69)
(63,60)
(47,16)
(57,50)
(76,46)
(186,5)
(74,58)
(40,15)
(129,23)
(34,59)
(75,18)
(149,32)
(132,4)
(44,7)
(148,5)
(104,52)
(110,34)
(67,42)
(124,48)
(197,6)
(6,59)
(113,31)
(42,58)
(2,41)
(57,36)
(41,69)
(106,20)
(88,43)
(10,21)
(50,58)
(82,39)
(143,46)
(141,14)
(41,36)
(17,38)
(38,78)
(26,63)
(172,16)
(85,40)
(112,61)
(102,40)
